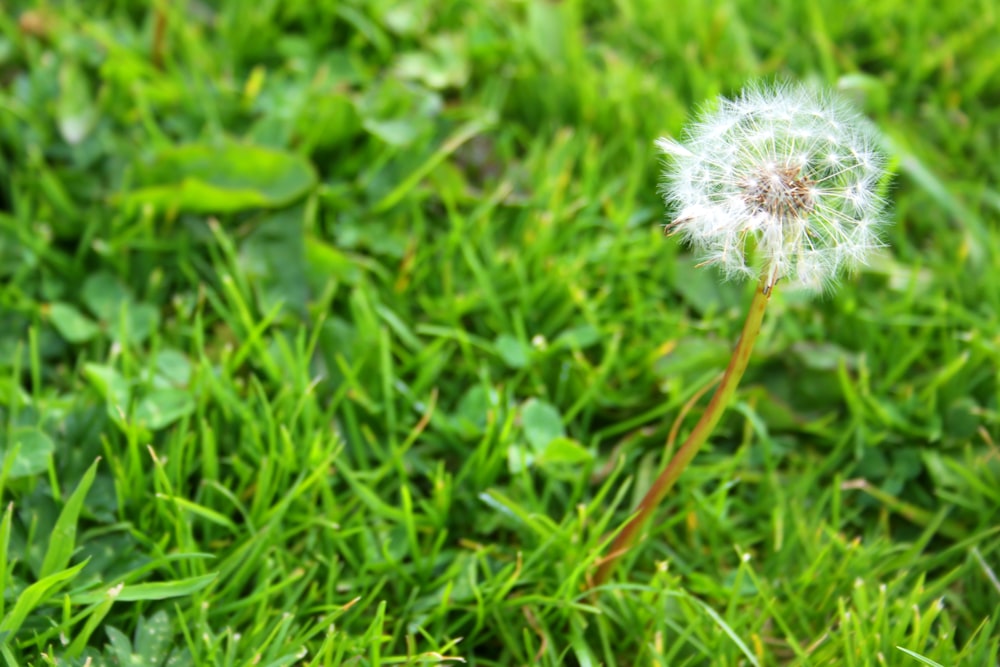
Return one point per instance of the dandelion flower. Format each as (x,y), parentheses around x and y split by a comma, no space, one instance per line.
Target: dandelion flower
(781,182)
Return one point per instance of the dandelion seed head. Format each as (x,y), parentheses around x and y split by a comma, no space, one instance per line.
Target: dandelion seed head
(780,182)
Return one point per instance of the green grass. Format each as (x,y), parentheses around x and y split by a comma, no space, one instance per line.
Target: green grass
(345,333)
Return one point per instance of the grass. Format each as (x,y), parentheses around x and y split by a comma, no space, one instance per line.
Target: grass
(344,333)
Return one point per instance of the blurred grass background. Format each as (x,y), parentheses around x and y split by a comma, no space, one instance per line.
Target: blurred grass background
(365,308)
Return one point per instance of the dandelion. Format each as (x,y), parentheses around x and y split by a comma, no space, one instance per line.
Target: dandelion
(779,183)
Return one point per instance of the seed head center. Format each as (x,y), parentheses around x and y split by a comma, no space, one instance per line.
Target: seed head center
(780,191)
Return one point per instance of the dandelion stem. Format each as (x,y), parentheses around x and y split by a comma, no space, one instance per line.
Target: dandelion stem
(709,419)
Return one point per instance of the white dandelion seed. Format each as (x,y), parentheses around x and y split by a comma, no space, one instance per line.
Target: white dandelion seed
(780,182)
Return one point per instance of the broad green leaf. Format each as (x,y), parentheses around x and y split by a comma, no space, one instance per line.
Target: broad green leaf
(111,302)
(153,636)
(202,178)
(104,294)
(329,121)
(32,449)
(71,324)
(163,407)
(471,413)
(444,65)
(274,255)
(513,352)
(547,30)
(75,110)
(519,458)
(542,424)
(563,451)
(579,337)
(62,540)
(121,647)
(395,132)
(153,644)
(110,383)
(141,319)
(173,368)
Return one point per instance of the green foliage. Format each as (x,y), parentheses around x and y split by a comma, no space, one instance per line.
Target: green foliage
(228,178)
(365,309)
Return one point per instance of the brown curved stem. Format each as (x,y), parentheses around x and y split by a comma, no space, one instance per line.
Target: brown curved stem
(709,419)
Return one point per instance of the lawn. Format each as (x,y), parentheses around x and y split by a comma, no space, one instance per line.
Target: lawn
(346,333)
